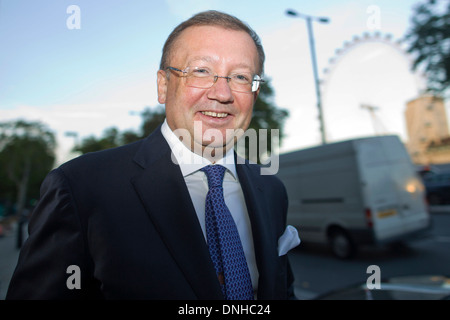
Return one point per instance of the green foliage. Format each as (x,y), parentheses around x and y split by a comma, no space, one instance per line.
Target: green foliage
(429,42)
(267,116)
(26,156)
(151,119)
(111,138)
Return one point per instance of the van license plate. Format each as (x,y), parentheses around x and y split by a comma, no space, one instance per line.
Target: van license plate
(386,213)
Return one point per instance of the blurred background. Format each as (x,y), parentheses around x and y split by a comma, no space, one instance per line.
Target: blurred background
(80,76)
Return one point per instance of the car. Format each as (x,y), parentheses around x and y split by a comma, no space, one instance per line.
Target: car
(416,287)
(437,186)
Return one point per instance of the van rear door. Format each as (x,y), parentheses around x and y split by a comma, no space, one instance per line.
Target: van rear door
(393,191)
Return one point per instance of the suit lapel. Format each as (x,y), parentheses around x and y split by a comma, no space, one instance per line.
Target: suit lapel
(165,196)
(163,192)
(265,246)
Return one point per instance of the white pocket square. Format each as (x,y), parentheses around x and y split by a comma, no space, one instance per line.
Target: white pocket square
(288,240)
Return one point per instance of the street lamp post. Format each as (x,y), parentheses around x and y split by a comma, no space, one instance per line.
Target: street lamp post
(309,20)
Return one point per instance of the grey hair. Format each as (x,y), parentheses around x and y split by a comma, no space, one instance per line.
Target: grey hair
(212,18)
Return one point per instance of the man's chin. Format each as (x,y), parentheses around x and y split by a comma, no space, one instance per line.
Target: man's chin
(211,150)
(217,144)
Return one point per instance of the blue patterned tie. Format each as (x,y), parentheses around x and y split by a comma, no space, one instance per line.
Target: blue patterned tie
(224,244)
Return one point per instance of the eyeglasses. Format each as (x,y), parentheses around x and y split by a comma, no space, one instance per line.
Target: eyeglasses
(204,78)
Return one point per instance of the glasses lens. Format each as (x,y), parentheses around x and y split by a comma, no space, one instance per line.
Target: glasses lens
(241,82)
(204,78)
(199,77)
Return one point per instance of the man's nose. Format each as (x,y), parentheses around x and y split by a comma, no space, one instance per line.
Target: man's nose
(221,90)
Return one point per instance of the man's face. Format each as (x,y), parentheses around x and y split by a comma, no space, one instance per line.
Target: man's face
(224,52)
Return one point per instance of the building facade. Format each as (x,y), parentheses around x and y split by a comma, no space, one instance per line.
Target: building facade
(428,133)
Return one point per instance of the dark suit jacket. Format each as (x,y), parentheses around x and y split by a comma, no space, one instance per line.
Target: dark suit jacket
(125,218)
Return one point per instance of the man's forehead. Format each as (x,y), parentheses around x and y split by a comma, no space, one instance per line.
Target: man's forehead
(184,40)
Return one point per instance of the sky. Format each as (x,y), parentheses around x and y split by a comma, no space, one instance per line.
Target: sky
(93,68)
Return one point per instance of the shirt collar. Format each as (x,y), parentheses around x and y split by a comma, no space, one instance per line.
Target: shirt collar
(191,162)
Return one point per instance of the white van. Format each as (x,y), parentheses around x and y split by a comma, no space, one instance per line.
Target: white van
(354,192)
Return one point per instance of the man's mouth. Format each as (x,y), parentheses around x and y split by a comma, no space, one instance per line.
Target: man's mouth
(215,114)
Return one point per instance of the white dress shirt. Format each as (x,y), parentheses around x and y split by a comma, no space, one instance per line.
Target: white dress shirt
(197,184)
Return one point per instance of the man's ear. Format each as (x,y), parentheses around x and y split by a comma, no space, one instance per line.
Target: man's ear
(162,83)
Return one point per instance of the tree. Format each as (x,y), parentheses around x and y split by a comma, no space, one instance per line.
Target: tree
(111,138)
(429,42)
(151,119)
(26,156)
(265,116)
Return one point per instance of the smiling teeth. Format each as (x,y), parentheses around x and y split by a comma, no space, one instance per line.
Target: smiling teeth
(215,114)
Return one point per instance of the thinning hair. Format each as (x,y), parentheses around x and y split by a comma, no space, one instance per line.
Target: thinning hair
(212,18)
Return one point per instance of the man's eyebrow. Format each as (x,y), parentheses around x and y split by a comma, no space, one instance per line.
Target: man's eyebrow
(211,59)
(201,58)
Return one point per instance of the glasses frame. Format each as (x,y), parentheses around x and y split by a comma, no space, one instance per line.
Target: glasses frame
(255,84)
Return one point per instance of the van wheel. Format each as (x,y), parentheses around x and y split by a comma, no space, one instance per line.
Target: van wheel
(342,246)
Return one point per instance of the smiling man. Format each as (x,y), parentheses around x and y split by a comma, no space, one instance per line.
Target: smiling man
(172,216)
(194,95)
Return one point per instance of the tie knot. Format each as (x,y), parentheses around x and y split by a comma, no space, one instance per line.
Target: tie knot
(215,174)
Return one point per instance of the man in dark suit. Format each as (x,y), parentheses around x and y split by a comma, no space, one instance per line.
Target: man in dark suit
(129,222)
